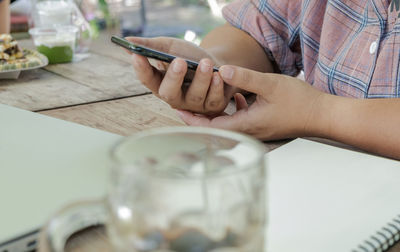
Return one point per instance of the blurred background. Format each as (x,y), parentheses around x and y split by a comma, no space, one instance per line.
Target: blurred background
(189,19)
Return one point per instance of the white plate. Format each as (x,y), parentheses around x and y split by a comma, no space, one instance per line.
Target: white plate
(14,73)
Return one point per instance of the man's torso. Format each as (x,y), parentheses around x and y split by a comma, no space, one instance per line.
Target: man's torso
(357,45)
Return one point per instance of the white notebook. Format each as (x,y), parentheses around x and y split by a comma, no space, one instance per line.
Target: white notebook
(324,198)
(46,163)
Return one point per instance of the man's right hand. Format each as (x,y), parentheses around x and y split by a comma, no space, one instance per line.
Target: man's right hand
(206,94)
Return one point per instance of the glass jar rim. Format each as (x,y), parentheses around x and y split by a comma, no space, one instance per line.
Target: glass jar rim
(254,143)
(37,31)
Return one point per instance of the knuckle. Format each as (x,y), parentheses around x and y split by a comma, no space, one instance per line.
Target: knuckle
(214,105)
(170,99)
(167,99)
(194,99)
(174,106)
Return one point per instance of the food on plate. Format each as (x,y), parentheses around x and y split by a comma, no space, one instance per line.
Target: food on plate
(12,57)
(9,49)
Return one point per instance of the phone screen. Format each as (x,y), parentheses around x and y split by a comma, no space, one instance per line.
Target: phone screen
(151,53)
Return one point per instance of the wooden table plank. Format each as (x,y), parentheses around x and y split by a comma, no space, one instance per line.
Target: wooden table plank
(96,78)
(40,89)
(112,76)
(103,46)
(129,115)
(122,116)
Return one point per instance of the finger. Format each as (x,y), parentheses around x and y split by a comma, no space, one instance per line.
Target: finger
(240,101)
(147,74)
(197,91)
(160,65)
(192,119)
(174,46)
(126,50)
(171,86)
(153,43)
(215,100)
(235,122)
(160,43)
(252,81)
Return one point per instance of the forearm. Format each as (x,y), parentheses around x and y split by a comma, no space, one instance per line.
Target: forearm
(235,47)
(370,124)
(4,16)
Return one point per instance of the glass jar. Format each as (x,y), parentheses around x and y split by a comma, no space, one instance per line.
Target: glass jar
(179,189)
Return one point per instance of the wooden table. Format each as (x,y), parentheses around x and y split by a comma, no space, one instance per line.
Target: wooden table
(100,92)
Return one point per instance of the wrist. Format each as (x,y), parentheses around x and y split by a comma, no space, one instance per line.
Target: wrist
(321,121)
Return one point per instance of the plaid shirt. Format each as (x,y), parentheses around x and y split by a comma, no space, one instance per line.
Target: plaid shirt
(345,47)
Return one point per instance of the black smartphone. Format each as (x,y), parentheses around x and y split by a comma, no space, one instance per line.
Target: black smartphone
(150,53)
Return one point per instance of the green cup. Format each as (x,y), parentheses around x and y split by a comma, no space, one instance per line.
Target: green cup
(56,43)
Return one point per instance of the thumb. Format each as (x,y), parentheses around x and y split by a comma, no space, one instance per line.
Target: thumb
(235,122)
(240,101)
(249,80)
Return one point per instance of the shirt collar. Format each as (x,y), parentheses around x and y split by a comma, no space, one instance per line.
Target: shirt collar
(379,8)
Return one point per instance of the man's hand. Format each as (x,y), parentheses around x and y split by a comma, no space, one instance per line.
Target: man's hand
(285,107)
(206,92)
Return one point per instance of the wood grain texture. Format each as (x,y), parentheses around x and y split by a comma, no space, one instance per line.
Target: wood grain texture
(96,78)
(129,115)
(111,76)
(122,116)
(103,46)
(40,89)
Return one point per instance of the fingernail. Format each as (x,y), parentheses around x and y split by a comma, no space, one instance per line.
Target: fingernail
(177,66)
(205,67)
(216,80)
(226,72)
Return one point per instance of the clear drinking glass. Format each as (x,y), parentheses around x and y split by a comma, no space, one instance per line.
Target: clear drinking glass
(181,189)
(52,14)
(48,13)
(57,43)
